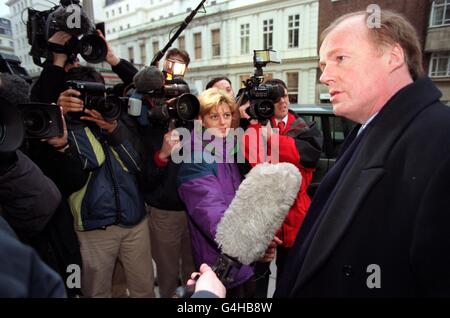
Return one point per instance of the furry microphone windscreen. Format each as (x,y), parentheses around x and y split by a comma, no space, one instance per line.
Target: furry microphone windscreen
(148,79)
(258,210)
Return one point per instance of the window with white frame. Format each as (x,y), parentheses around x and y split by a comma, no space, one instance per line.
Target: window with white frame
(440,64)
(294,30)
(155,45)
(198,46)
(143,53)
(440,13)
(215,36)
(268,34)
(292,86)
(245,38)
(182,42)
(131,54)
(242,80)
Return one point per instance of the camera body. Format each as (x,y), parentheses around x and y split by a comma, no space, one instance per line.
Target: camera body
(172,104)
(68,17)
(94,96)
(31,120)
(261,96)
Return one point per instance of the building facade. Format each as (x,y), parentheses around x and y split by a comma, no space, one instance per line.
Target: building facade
(221,41)
(437,46)
(19,15)
(6,40)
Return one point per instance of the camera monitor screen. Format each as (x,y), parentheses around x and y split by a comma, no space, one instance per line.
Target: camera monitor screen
(175,68)
(267,56)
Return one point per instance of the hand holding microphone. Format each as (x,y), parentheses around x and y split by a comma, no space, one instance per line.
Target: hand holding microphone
(249,224)
(207,280)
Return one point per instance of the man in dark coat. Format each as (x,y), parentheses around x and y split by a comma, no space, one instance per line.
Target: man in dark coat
(22,272)
(378,224)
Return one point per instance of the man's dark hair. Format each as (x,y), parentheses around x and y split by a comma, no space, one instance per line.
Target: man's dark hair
(212,82)
(276,81)
(84,73)
(182,53)
(14,89)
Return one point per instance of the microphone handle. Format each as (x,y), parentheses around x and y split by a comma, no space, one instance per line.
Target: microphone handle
(184,291)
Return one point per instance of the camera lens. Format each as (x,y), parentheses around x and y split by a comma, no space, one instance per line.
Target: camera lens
(37,122)
(188,107)
(265,109)
(261,109)
(11,127)
(93,49)
(110,107)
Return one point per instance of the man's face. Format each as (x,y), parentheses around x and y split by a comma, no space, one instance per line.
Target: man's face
(282,107)
(354,70)
(224,85)
(177,57)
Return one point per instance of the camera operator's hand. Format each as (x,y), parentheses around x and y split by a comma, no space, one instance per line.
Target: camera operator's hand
(60,38)
(171,143)
(207,280)
(96,117)
(111,57)
(271,250)
(69,102)
(59,143)
(243,113)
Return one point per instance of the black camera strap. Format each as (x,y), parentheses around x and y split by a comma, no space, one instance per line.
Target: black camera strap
(57,48)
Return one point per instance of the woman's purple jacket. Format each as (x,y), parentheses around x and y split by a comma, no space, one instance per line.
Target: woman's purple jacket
(207,189)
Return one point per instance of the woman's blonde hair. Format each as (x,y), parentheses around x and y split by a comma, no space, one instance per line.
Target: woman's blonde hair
(213,97)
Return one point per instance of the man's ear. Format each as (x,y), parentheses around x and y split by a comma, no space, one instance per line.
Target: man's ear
(396,57)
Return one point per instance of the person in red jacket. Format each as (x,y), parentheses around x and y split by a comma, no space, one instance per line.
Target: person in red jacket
(297,142)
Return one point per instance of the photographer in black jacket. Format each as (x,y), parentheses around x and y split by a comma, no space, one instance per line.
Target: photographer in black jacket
(49,230)
(170,238)
(51,83)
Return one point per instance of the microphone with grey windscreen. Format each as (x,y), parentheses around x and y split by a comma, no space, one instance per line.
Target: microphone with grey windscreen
(254,216)
(148,79)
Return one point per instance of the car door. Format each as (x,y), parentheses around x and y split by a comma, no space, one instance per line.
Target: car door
(335,129)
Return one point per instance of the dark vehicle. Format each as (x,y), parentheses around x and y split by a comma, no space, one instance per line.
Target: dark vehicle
(334,128)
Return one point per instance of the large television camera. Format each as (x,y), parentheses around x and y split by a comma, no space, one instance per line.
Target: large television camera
(12,65)
(261,96)
(31,120)
(95,97)
(68,17)
(161,100)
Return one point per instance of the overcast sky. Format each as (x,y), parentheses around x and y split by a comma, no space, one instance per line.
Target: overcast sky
(4,10)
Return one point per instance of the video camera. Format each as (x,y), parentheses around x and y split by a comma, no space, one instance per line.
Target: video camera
(31,120)
(11,64)
(161,100)
(261,96)
(95,97)
(68,17)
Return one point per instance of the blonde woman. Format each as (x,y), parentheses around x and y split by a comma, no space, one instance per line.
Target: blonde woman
(207,188)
